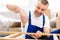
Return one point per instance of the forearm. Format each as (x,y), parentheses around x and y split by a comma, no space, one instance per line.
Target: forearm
(23,17)
(21,12)
(47,30)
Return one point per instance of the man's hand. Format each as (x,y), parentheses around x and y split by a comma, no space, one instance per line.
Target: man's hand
(38,34)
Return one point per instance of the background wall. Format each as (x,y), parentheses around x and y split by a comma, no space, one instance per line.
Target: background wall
(6,13)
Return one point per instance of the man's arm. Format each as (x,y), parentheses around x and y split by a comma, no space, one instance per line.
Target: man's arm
(17,9)
(46,30)
(39,33)
(47,25)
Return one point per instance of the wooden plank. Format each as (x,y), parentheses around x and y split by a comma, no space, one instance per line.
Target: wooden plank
(19,33)
(13,35)
(15,29)
(48,13)
(10,39)
(5,32)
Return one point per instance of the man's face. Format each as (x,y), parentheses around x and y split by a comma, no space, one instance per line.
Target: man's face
(41,8)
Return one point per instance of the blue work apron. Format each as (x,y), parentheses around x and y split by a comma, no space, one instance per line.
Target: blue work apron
(33,28)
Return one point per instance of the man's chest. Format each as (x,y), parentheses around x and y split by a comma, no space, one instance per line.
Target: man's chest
(37,21)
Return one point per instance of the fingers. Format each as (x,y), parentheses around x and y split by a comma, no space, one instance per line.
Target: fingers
(32,35)
(38,34)
(24,19)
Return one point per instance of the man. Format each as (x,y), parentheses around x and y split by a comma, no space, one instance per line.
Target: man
(38,22)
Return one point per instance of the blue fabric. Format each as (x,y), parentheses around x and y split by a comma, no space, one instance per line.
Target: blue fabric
(43,20)
(53,32)
(33,28)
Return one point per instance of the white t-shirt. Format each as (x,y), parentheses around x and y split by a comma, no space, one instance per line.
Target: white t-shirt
(38,21)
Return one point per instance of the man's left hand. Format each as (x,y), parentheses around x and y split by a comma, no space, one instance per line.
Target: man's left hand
(38,34)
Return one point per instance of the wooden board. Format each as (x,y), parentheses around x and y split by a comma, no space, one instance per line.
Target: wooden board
(16,34)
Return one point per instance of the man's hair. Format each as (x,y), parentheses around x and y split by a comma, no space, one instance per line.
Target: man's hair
(45,2)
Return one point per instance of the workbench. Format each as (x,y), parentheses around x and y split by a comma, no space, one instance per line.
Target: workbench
(17,35)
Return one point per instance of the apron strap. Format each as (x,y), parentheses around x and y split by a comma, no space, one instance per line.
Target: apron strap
(29,18)
(43,20)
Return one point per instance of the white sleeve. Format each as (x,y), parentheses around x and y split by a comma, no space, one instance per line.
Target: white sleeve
(47,22)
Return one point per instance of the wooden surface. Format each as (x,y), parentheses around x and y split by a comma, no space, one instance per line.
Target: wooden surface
(15,29)
(19,33)
(16,34)
(10,39)
(16,25)
(48,13)
(58,22)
